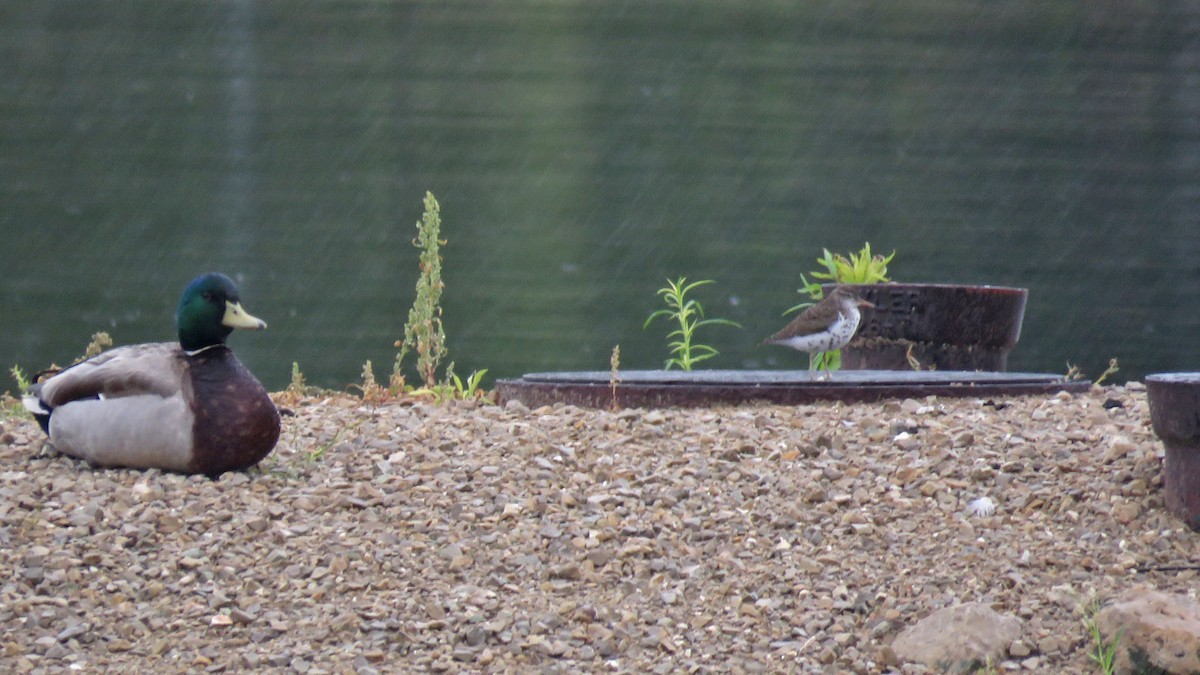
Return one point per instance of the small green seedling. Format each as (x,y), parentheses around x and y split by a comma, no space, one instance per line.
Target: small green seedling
(454,388)
(469,389)
(689,314)
(1103,652)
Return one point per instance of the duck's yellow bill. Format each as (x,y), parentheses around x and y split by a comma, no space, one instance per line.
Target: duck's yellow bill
(236,317)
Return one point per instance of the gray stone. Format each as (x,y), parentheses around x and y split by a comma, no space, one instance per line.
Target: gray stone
(958,639)
(1155,632)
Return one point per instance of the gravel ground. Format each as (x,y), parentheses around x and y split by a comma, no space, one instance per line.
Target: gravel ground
(475,538)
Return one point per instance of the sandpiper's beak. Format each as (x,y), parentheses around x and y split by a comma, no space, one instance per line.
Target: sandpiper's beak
(236,317)
(864,303)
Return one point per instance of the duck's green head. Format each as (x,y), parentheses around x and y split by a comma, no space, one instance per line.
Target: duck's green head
(208,312)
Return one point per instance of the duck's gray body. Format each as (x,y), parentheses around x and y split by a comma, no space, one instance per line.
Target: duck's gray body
(156,406)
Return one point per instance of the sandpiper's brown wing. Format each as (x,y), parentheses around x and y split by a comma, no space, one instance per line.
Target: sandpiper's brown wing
(812,320)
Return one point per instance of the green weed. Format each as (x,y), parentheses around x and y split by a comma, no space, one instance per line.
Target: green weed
(1111,370)
(1103,651)
(298,388)
(1074,372)
(372,391)
(858,268)
(689,315)
(825,360)
(11,406)
(469,389)
(614,376)
(100,342)
(22,380)
(423,332)
(455,388)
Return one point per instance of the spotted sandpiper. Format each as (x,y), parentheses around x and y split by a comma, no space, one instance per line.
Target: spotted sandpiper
(824,327)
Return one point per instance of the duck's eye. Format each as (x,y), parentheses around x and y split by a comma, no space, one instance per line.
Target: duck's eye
(208,296)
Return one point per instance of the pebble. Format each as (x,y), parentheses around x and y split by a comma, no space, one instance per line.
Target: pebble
(480,537)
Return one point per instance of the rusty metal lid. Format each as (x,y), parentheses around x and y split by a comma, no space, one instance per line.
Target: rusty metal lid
(952,314)
(665,388)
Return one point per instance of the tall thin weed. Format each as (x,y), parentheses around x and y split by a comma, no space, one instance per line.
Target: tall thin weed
(423,332)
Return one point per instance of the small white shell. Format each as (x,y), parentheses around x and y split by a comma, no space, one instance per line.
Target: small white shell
(983,506)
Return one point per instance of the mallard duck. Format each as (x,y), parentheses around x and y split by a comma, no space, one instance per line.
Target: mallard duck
(189,407)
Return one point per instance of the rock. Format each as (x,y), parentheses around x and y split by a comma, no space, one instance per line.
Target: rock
(1019,649)
(958,639)
(1126,512)
(1119,447)
(1158,632)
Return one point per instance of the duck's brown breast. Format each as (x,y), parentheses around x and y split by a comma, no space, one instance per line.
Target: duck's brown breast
(236,423)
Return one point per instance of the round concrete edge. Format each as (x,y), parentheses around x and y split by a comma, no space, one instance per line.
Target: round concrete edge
(638,389)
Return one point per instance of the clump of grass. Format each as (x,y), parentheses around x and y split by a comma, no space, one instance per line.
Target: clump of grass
(1103,650)
(423,332)
(689,315)
(471,388)
(455,388)
(863,267)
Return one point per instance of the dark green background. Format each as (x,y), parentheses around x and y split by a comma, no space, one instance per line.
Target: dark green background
(584,151)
